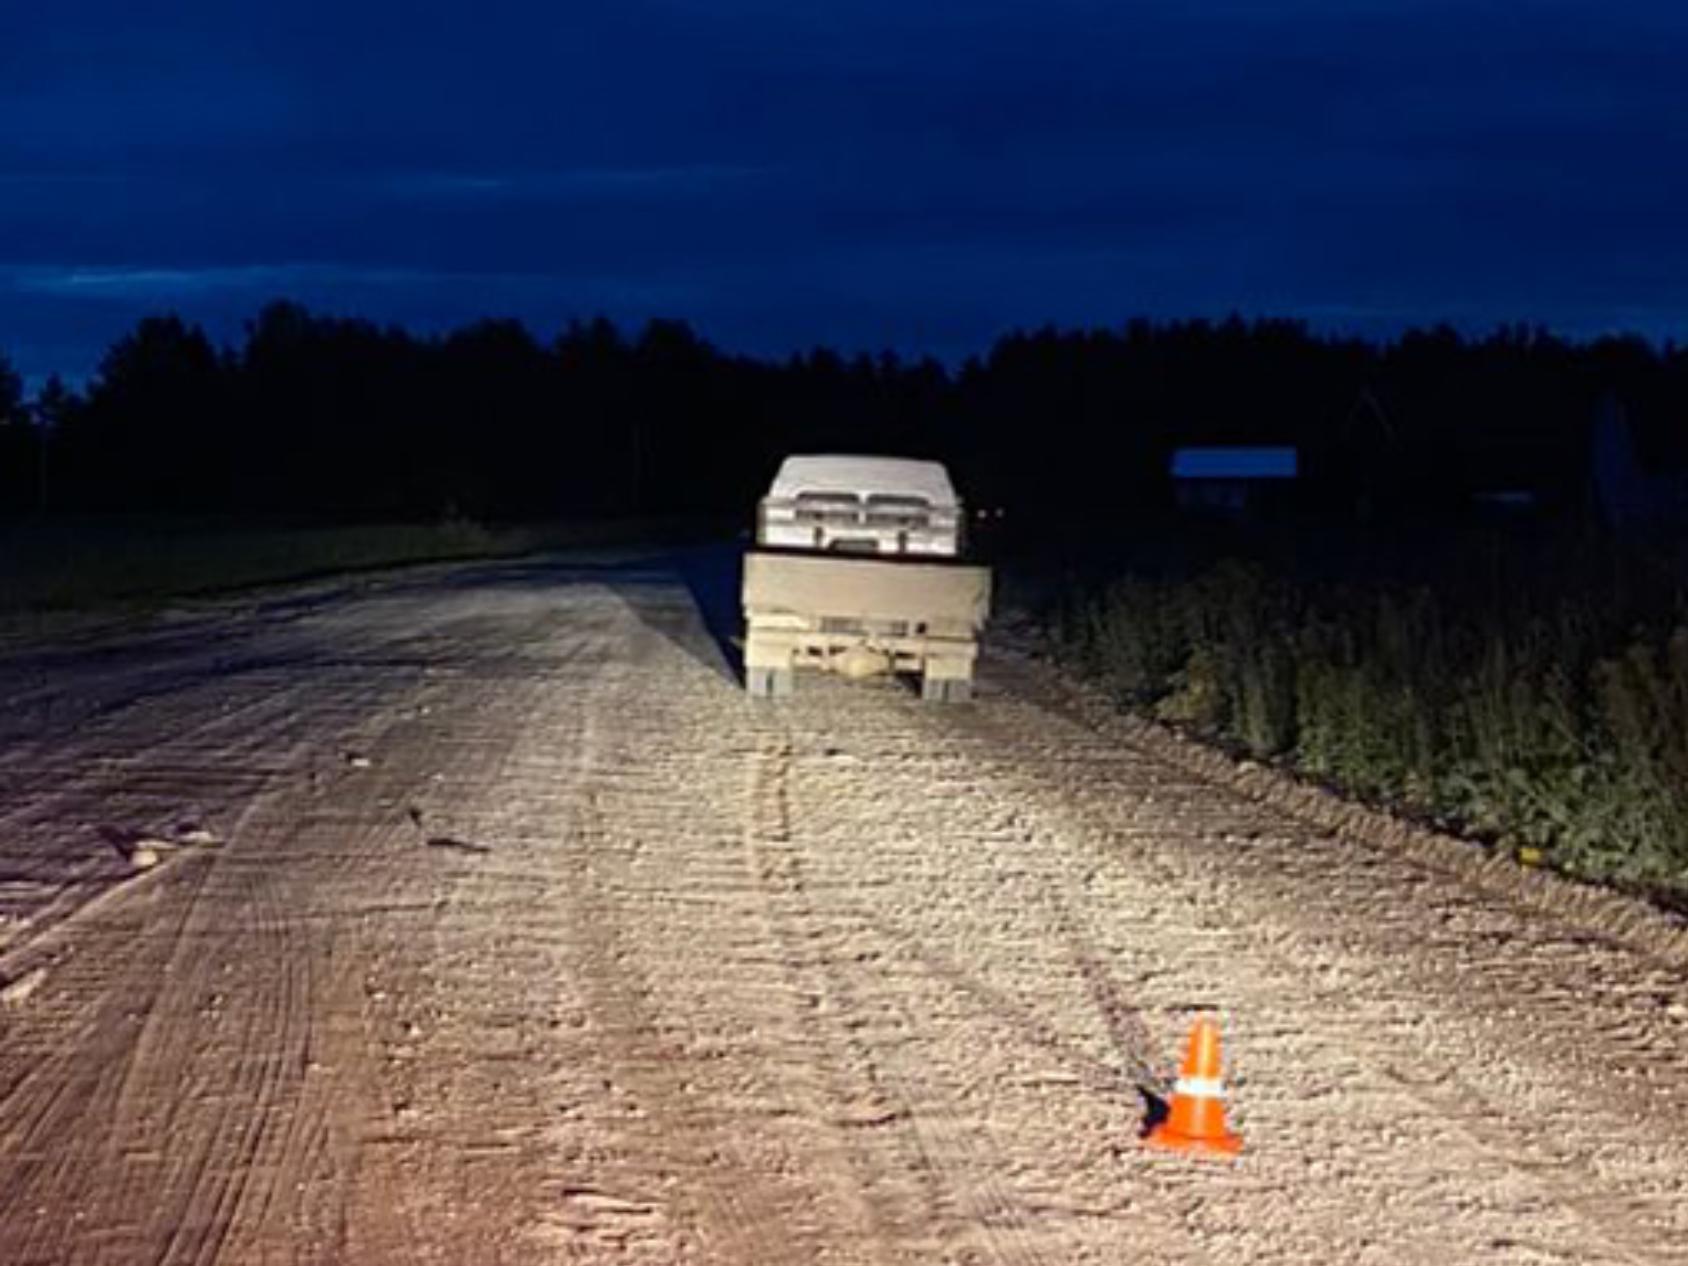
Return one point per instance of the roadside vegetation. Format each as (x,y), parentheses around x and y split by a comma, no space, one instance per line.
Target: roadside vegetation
(1533,697)
(94,563)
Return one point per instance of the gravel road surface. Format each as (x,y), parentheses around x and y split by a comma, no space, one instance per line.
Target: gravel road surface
(474,915)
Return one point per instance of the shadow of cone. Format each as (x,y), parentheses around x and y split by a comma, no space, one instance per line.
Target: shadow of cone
(1195,1123)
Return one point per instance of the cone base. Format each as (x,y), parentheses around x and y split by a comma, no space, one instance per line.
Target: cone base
(1162,1139)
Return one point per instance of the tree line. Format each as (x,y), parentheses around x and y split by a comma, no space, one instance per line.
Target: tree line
(332,416)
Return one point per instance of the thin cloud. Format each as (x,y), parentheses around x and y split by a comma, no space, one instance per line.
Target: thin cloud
(144,281)
(428,297)
(582,182)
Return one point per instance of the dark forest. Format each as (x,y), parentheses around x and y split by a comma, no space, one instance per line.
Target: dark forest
(340,418)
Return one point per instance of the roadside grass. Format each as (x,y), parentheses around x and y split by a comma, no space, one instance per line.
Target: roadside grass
(1546,715)
(96,564)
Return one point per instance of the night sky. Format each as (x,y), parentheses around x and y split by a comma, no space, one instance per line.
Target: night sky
(916,174)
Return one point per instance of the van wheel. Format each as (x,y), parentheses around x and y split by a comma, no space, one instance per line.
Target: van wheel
(768,683)
(946,689)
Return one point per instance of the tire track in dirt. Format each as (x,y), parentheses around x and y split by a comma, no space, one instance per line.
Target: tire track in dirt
(209,1100)
(649,889)
(197,745)
(748,1030)
(1358,948)
(911,1157)
(731,1213)
(593,959)
(71,814)
(894,833)
(859,1100)
(936,1141)
(83,1063)
(207,1065)
(1186,950)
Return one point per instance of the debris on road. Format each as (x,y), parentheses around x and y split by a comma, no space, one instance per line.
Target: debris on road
(458,846)
(147,852)
(14,993)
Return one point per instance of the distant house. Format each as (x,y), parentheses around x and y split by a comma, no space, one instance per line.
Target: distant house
(1232,481)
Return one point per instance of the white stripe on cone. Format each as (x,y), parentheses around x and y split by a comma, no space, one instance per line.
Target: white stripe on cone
(1200,1087)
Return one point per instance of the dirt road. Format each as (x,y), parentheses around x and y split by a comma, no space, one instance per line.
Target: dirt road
(491,923)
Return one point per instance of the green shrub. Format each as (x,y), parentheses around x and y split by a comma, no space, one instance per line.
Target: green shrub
(1198,696)
(1553,729)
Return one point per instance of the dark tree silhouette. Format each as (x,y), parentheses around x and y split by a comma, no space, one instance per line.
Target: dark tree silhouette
(54,404)
(334,416)
(53,411)
(18,441)
(156,430)
(11,391)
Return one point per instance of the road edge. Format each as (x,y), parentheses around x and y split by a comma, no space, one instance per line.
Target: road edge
(1645,928)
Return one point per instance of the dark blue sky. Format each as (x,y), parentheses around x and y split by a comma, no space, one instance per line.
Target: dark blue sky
(921,174)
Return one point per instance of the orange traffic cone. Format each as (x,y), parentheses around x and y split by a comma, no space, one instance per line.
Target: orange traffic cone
(1196,1123)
